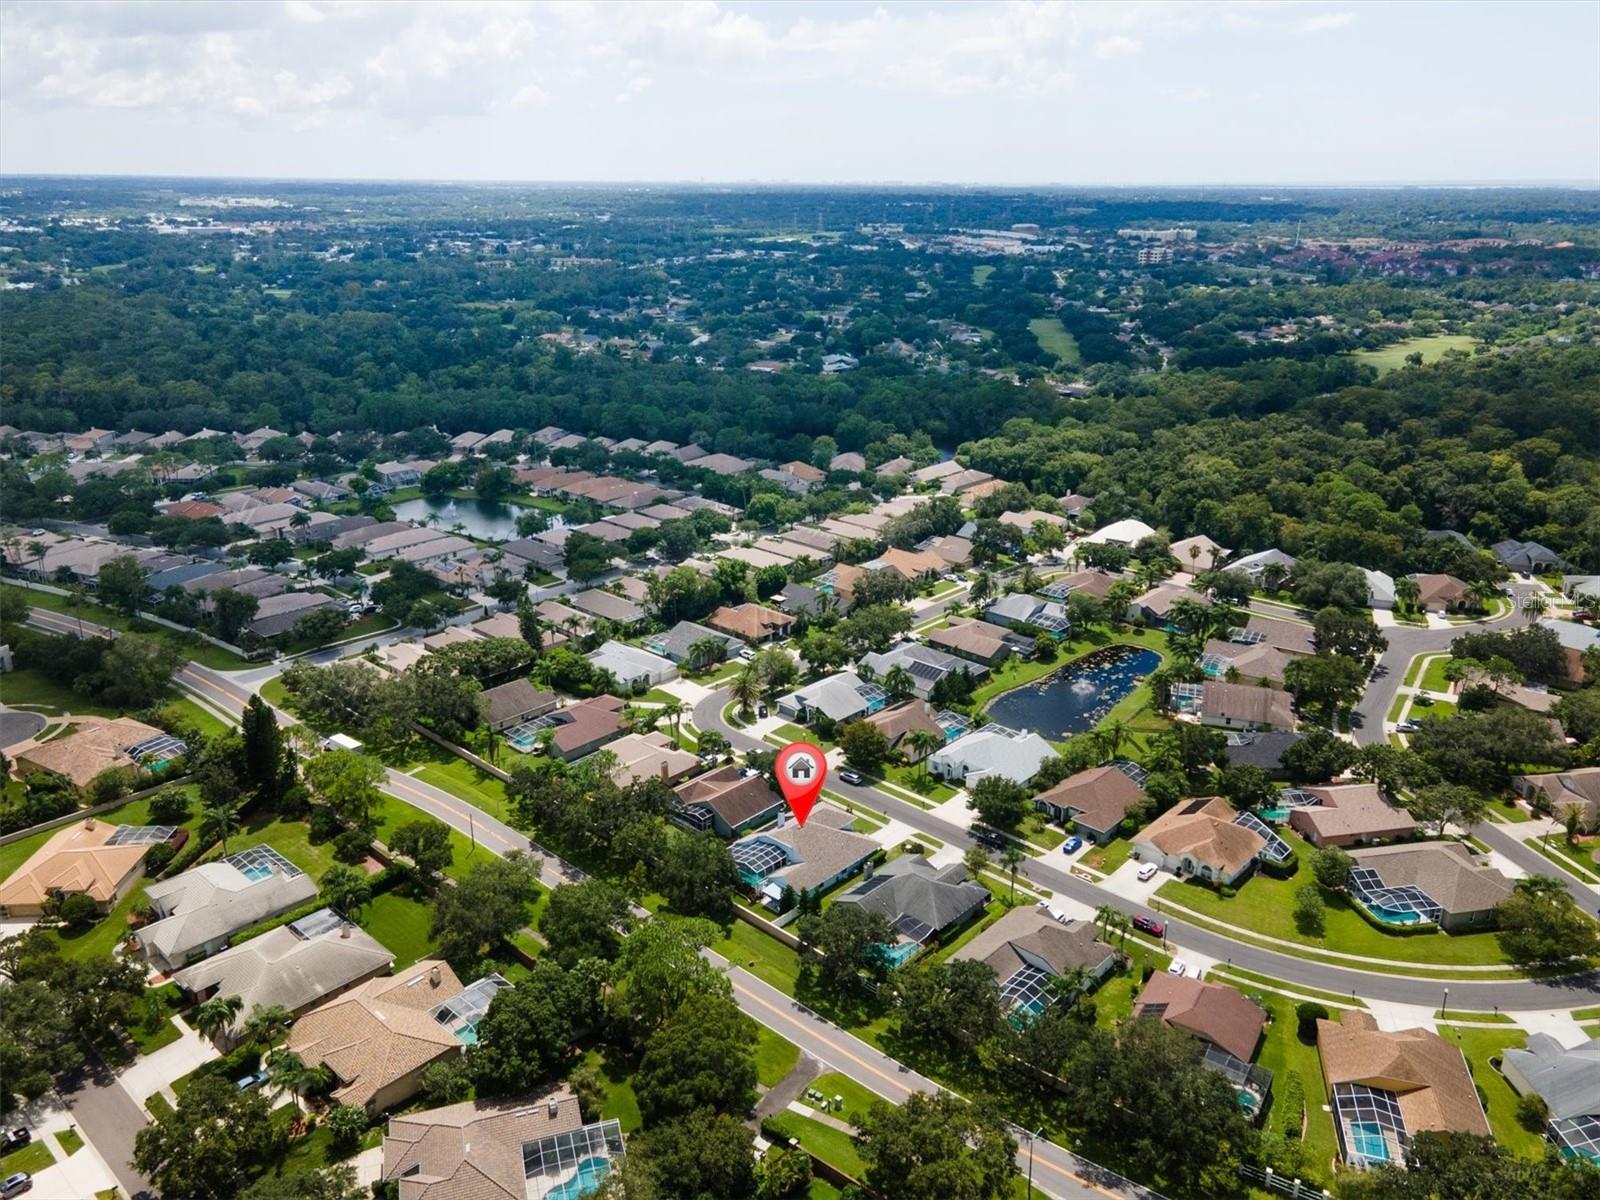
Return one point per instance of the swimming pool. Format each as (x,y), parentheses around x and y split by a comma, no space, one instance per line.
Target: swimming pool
(1077,697)
(1391,916)
(591,1172)
(256,874)
(1367,1141)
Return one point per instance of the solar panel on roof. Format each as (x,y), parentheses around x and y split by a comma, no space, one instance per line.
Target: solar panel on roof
(922,670)
(1276,850)
(1132,770)
(867,886)
(141,835)
(917,930)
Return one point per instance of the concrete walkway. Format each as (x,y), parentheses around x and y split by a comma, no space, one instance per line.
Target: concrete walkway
(151,1073)
(84,1173)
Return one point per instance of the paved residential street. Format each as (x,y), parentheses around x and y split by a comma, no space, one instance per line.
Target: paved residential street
(109,1119)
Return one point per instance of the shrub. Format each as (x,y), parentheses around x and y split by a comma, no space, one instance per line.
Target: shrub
(78,911)
(1227,891)
(324,823)
(1532,1112)
(352,845)
(159,856)
(1291,1104)
(109,785)
(346,1124)
(1310,914)
(1306,1014)
(169,806)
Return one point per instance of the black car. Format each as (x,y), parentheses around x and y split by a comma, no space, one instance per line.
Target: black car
(761,710)
(1148,925)
(16,1139)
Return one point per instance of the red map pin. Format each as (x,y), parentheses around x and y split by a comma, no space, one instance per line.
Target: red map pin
(801,768)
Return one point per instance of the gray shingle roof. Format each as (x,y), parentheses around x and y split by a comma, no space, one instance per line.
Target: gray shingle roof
(912,887)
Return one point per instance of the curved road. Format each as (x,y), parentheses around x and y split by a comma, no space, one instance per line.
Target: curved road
(1514,995)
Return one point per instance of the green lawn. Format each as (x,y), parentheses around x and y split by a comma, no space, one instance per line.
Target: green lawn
(831,1145)
(32,1158)
(775,1057)
(981,273)
(401,924)
(1109,857)
(1053,338)
(478,788)
(71,1141)
(190,646)
(135,812)
(768,959)
(1281,1052)
(292,839)
(200,717)
(1433,679)
(26,688)
(1479,1046)
(1508,811)
(390,812)
(857,1099)
(1580,859)
(1265,906)
(274,693)
(159,1107)
(1113,1002)
(914,779)
(621,1103)
(1393,357)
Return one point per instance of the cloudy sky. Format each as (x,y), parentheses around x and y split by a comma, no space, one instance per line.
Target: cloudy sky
(1143,92)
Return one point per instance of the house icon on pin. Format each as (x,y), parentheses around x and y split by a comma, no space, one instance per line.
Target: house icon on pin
(801,767)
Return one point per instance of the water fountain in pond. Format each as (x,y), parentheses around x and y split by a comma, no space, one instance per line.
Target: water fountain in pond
(1078,696)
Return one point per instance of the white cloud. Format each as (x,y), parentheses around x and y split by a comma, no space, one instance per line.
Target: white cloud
(1326,21)
(1116,46)
(1195,95)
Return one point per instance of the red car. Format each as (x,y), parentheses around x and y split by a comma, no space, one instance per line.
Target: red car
(1148,925)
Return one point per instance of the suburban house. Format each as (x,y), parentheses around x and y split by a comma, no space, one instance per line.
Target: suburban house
(1529,558)
(899,723)
(1156,605)
(97,746)
(1028,948)
(294,965)
(797,599)
(1018,608)
(978,641)
(1561,790)
(808,858)
(953,548)
(1574,639)
(86,858)
(1385,1088)
(1441,593)
(753,623)
(1350,814)
(840,697)
(1094,801)
(650,755)
(631,666)
(607,606)
(910,564)
(926,665)
(512,702)
(1198,553)
(1584,589)
(679,642)
(728,800)
(1203,838)
(402,474)
(530,1148)
(1227,1024)
(1255,565)
(1264,749)
(1086,583)
(584,727)
(918,899)
(380,1037)
(197,911)
(1380,589)
(1439,882)
(1127,533)
(1011,754)
(1240,706)
(1244,662)
(1568,1081)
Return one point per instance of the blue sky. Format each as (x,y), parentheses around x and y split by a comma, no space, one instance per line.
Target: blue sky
(1080,93)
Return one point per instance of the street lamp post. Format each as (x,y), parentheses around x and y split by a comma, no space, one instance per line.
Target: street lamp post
(1444,1012)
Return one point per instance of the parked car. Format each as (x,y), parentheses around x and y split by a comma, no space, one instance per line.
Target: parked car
(16,1139)
(1406,727)
(761,710)
(15,1185)
(1148,925)
(1073,844)
(1147,872)
(1178,967)
(851,776)
(254,1079)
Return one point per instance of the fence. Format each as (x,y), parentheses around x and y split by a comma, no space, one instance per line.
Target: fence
(1295,1189)
(79,814)
(140,614)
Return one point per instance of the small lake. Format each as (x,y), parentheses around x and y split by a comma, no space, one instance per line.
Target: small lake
(1077,697)
(480,519)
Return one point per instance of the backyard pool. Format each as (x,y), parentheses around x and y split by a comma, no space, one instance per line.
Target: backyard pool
(1077,697)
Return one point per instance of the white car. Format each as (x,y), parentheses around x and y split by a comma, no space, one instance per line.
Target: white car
(1146,873)
(1178,967)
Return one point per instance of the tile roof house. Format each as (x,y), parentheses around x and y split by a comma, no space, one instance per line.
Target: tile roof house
(810,857)
(843,696)
(1568,1081)
(1091,583)
(1199,837)
(649,756)
(1156,605)
(197,911)
(918,899)
(956,551)
(721,464)
(1213,1012)
(1199,553)
(535,1146)
(900,722)
(603,604)
(88,857)
(1574,639)
(584,727)
(1255,565)
(294,965)
(1561,790)
(1349,815)
(849,460)
(1528,556)
(378,1038)
(1011,754)
(1440,593)
(1019,608)
(978,641)
(1239,706)
(752,622)
(797,598)
(727,800)
(1244,662)
(512,702)
(1465,890)
(94,748)
(1385,1088)
(910,564)
(631,665)
(1027,947)
(1095,801)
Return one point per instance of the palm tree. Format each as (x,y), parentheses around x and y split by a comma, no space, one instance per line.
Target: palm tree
(1534,607)
(983,586)
(265,1023)
(897,681)
(1028,580)
(300,520)
(923,742)
(288,1070)
(218,821)
(1071,983)
(745,690)
(1110,737)
(1272,576)
(705,651)
(1406,591)
(1103,916)
(672,713)
(1013,858)
(216,1016)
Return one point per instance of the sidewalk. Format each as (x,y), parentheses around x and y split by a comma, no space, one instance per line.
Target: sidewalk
(84,1173)
(149,1073)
